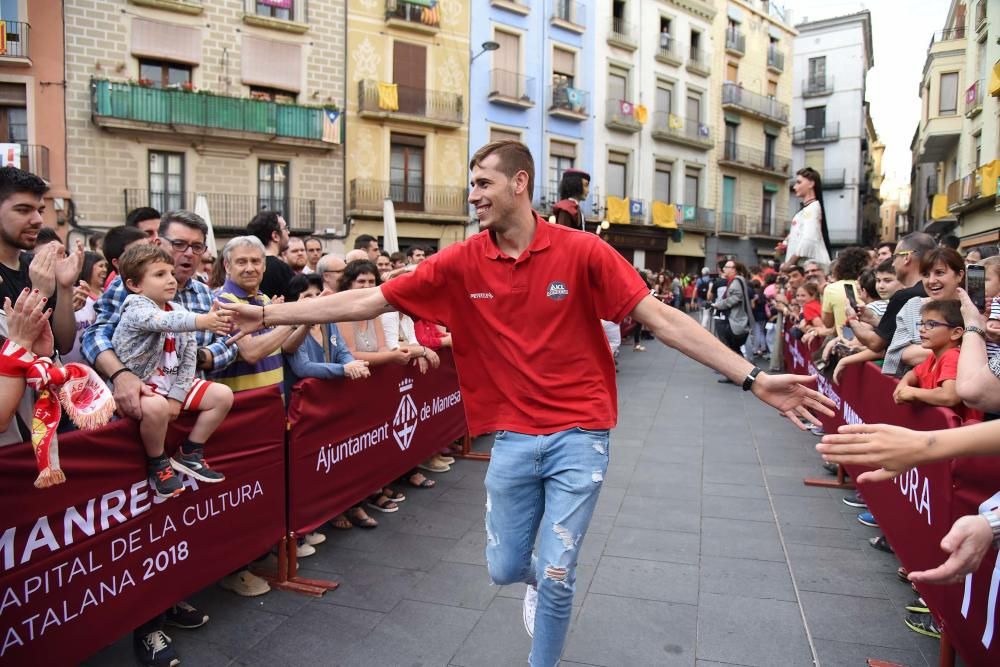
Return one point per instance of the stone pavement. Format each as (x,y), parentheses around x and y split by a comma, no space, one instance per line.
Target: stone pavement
(705,550)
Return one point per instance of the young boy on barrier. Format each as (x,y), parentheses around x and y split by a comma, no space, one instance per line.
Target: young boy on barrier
(154,340)
(941,328)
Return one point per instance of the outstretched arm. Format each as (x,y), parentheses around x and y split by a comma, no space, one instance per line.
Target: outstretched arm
(787,393)
(350,306)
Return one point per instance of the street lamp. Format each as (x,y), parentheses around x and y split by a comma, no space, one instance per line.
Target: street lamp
(487,46)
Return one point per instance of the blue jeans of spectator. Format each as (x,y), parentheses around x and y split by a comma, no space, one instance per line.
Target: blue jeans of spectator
(548,481)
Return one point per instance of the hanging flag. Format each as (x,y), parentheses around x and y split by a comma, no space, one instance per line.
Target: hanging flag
(575,98)
(617,211)
(676,122)
(331,126)
(690,213)
(702,130)
(664,215)
(388,96)
(625,108)
(641,114)
(3,38)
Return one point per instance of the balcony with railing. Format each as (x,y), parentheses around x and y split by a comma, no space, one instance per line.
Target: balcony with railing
(35,158)
(620,116)
(698,63)
(696,219)
(756,160)
(622,34)
(569,15)
(413,201)
(739,99)
(411,104)
(419,15)
(819,134)
(667,51)
(15,45)
(774,226)
(775,59)
(733,223)
(974,99)
(834,179)
(817,86)
(568,102)
(511,89)
(291,17)
(736,42)
(229,212)
(130,107)
(980,15)
(966,194)
(685,131)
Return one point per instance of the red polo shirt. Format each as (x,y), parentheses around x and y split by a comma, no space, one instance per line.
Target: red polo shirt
(531,352)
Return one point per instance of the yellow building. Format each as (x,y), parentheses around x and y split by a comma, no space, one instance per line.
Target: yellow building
(407,81)
(748,185)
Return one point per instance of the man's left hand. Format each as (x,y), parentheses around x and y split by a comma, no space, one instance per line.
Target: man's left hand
(68,266)
(793,398)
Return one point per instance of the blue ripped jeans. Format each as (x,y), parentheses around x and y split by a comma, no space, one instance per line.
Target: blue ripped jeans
(548,481)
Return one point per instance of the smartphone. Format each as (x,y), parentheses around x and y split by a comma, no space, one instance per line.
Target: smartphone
(851,297)
(975,285)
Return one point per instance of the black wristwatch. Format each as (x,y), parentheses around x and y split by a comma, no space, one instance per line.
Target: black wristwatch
(749,379)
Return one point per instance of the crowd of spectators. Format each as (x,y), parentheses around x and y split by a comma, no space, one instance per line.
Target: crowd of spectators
(144,312)
(903,307)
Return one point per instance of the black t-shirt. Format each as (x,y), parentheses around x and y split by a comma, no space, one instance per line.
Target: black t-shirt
(277,275)
(886,328)
(14,282)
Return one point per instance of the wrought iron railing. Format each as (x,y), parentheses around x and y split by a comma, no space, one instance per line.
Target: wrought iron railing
(621,31)
(665,123)
(410,100)
(421,13)
(667,49)
(732,223)
(817,85)
(754,157)
(369,195)
(618,117)
(736,41)
(974,98)
(775,58)
(817,133)
(295,10)
(512,86)
(129,101)
(569,100)
(229,212)
(695,218)
(735,95)
(35,158)
(15,43)
(698,60)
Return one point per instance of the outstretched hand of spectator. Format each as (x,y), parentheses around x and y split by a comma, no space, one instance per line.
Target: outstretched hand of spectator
(967,542)
(890,449)
(357,369)
(793,398)
(215,320)
(245,319)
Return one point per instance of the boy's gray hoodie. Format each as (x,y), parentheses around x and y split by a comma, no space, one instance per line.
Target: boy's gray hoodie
(140,334)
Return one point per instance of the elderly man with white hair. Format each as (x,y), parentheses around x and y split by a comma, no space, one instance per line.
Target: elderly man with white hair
(259,363)
(330,268)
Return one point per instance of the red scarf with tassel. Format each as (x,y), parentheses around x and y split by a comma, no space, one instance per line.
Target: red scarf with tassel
(79,389)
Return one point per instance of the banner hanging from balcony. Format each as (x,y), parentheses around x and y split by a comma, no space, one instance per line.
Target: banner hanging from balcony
(331,126)
(10,155)
(388,96)
(617,211)
(641,114)
(991,172)
(994,86)
(280,4)
(664,215)
(625,108)
(636,208)
(939,207)
(675,122)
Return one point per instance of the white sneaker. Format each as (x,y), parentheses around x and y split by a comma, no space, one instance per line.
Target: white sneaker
(304,550)
(245,583)
(528,611)
(315,538)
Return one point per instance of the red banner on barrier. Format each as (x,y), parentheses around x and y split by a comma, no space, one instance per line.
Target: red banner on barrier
(917,509)
(347,440)
(87,561)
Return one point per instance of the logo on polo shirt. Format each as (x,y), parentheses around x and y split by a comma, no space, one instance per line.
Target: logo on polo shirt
(480,295)
(557,290)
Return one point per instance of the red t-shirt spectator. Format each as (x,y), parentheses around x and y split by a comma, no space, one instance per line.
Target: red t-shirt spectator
(811,310)
(934,371)
(531,352)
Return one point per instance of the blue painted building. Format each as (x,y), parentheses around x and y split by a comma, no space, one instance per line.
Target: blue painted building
(537,86)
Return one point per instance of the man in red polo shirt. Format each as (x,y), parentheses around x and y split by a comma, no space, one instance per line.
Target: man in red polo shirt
(524,301)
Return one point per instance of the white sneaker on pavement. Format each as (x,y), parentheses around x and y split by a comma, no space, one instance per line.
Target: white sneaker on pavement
(530,604)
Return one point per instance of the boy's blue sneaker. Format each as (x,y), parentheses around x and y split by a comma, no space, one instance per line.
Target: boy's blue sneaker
(868,519)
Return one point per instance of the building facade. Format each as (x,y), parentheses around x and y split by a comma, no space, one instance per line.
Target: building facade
(655,131)
(956,148)
(753,43)
(407,97)
(536,86)
(225,108)
(830,122)
(32,99)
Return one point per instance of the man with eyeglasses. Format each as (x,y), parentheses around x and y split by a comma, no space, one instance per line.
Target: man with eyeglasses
(182,234)
(906,263)
(330,268)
